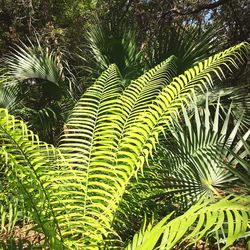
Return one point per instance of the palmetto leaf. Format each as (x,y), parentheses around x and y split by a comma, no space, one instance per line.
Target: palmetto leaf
(109,44)
(193,160)
(201,219)
(41,75)
(33,62)
(9,90)
(188,44)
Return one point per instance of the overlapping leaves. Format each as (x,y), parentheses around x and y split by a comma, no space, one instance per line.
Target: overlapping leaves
(74,191)
(192,161)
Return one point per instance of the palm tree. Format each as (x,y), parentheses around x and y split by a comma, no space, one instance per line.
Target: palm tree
(73,191)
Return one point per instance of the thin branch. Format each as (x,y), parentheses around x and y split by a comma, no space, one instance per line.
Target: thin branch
(126,10)
(198,8)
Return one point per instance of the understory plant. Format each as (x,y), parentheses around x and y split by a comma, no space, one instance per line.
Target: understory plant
(72,192)
(38,86)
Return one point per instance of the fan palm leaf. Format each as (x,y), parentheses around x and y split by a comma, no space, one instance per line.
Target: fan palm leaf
(192,160)
(189,44)
(28,160)
(108,44)
(41,75)
(33,62)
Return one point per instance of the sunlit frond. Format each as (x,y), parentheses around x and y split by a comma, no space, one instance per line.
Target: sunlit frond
(204,218)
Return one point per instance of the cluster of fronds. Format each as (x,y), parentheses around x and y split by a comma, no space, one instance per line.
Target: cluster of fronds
(74,191)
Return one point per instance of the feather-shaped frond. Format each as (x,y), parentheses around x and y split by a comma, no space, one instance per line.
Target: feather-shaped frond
(138,96)
(87,146)
(85,120)
(91,135)
(29,161)
(142,135)
(202,219)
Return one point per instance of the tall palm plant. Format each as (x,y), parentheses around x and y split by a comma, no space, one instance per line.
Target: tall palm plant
(74,191)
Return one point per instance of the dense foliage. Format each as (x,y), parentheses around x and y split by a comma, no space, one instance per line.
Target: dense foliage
(154,154)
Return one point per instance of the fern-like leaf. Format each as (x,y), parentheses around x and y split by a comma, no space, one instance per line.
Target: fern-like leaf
(28,160)
(200,220)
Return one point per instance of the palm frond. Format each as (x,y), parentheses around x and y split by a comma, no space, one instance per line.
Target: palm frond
(9,208)
(202,219)
(189,44)
(87,130)
(119,149)
(108,45)
(33,62)
(105,137)
(28,159)
(45,78)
